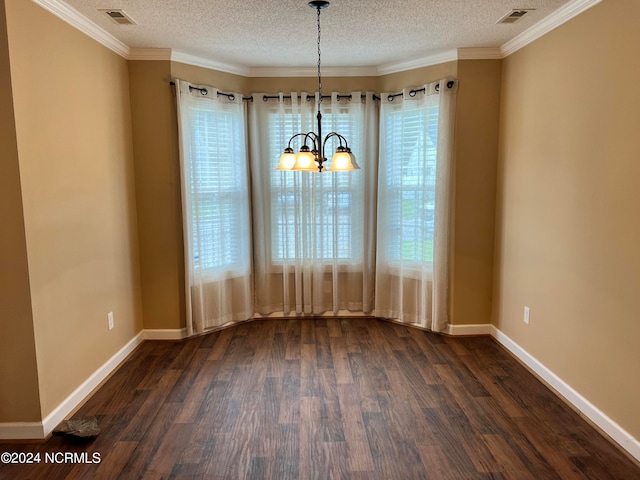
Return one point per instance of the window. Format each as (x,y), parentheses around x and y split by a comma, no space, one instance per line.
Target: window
(407,189)
(218,190)
(328,207)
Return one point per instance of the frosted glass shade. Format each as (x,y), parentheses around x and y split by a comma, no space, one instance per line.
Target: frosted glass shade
(305,162)
(287,160)
(343,161)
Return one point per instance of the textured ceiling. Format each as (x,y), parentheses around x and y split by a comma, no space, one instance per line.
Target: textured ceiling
(282,33)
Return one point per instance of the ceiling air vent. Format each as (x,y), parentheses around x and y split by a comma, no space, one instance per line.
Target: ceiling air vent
(514,15)
(118,16)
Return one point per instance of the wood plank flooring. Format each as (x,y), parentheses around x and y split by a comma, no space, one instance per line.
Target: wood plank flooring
(328,399)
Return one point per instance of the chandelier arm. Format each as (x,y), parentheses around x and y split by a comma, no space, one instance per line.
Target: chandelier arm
(306,135)
(314,139)
(333,134)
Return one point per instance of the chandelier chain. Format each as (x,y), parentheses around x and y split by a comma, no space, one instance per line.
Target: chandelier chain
(319,74)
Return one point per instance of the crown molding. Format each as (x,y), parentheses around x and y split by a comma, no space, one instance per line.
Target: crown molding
(553,21)
(480,53)
(86,26)
(196,61)
(449,56)
(149,54)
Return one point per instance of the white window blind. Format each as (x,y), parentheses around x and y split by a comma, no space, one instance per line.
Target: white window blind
(218,190)
(410,137)
(218,183)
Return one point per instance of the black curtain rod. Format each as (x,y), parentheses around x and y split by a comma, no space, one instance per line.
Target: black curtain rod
(204,91)
(412,93)
(232,97)
(339,97)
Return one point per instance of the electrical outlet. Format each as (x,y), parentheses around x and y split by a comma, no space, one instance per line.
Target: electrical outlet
(110,320)
(526,315)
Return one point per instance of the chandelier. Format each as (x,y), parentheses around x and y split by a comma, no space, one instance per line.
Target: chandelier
(311,156)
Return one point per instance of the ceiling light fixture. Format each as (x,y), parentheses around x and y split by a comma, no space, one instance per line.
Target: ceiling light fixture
(313,159)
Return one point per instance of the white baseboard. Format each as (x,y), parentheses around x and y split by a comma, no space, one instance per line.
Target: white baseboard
(165,334)
(586,408)
(482,329)
(40,430)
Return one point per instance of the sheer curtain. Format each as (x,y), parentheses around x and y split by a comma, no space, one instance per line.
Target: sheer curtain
(314,233)
(215,205)
(414,191)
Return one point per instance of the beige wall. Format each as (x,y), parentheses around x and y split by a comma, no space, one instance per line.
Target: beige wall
(73,130)
(395,82)
(476,137)
(157,174)
(310,84)
(19,398)
(567,220)
(205,76)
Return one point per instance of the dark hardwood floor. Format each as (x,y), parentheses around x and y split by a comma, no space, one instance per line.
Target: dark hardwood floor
(342,399)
